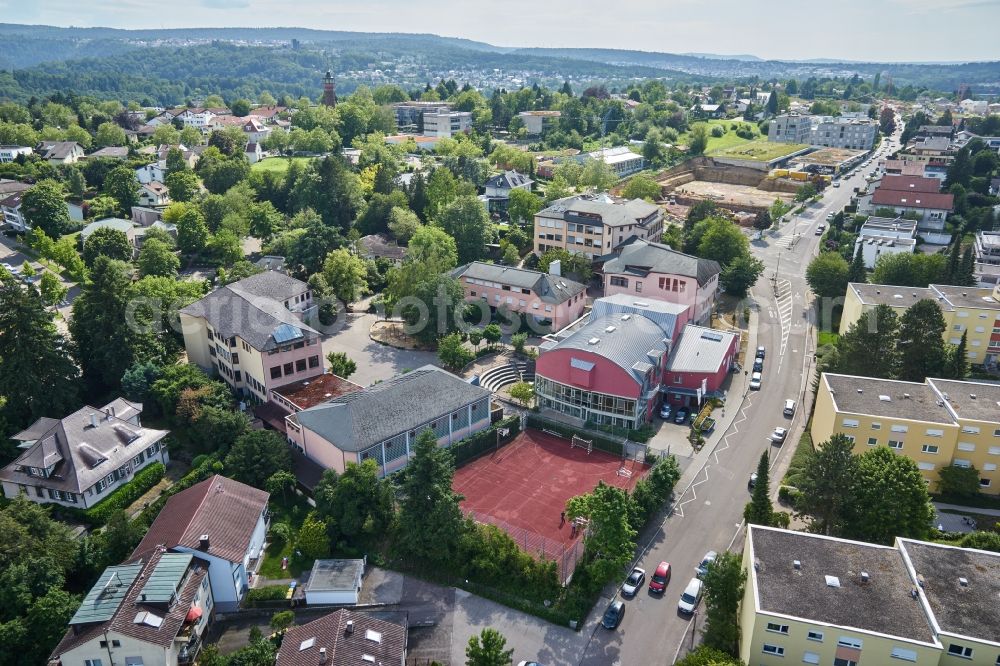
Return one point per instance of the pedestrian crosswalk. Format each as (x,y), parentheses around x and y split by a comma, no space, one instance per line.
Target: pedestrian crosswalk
(787,241)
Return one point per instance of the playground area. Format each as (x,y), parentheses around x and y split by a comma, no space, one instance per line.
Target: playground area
(522,488)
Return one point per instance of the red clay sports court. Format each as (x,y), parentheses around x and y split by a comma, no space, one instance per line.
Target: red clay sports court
(526,483)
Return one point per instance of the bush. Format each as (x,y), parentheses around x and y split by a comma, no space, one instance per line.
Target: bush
(267,593)
(473,446)
(789,496)
(121,498)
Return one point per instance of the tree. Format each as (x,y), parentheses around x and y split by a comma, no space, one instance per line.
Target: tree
(492,334)
(572,263)
(175,162)
(611,538)
(857,271)
(700,211)
(759,510)
(403,223)
(720,240)
(868,348)
(51,288)
(762,221)
(965,275)
(433,249)
(107,242)
(958,481)
(724,584)
(192,232)
(347,273)
(957,362)
(37,375)
(156,258)
(523,392)
(329,188)
(488,649)
(43,208)
(921,343)
(887,121)
(882,474)
(704,656)
(982,541)
(182,185)
(121,185)
(642,186)
(826,485)
(523,206)
(341,365)
(827,275)
(740,275)
(282,621)
(805,192)
(99,325)
(256,455)
(240,108)
(452,352)
(360,505)
(465,219)
(430,520)
(698,139)
(909,270)
(109,134)
(772,103)
(138,379)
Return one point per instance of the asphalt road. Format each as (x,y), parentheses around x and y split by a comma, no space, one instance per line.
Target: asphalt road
(713,490)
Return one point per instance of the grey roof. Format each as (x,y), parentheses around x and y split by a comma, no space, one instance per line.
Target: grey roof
(356,421)
(882,605)
(253,308)
(641,257)
(8,186)
(58,150)
(907,400)
(114,152)
(335,575)
(701,349)
(35,430)
(115,223)
(977,401)
(509,180)
(549,288)
(81,453)
(967,610)
(624,340)
(612,211)
(662,313)
(887,294)
(967,297)
(107,594)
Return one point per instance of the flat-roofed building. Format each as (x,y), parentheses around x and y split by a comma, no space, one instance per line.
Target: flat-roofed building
(594,224)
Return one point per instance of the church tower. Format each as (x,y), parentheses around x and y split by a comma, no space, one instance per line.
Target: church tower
(329,93)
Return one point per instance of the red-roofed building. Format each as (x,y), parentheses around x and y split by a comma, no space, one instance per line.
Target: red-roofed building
(908,183)
(223,522)
(913,195)
(344,637)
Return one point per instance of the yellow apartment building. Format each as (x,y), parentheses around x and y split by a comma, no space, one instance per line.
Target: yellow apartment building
(936,423)
(812,599)
(971,310)
(594,224)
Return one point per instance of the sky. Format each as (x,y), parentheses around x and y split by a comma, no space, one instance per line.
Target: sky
(874,30)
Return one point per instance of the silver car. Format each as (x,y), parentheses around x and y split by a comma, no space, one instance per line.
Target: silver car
(633,582)
(755,379)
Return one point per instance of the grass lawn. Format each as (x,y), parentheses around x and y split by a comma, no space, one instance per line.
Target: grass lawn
(727,140)
(291,512)
(279,164)
(826,338)
(761,150)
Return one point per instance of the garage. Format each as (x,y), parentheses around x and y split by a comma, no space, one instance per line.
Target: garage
(335,582)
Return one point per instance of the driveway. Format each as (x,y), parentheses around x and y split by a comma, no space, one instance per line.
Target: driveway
(376,362)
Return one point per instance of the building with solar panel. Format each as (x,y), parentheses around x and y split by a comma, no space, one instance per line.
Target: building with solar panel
(254,334)
(151,611)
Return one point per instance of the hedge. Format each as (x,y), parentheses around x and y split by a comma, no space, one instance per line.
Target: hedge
(121,498)
(256,595)
(473,446)
(600,443)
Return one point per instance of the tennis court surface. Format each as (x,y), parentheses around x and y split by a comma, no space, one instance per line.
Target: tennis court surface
(523,487)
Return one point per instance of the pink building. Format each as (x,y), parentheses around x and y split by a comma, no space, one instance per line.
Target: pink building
(546,299)
(649,270)
(700,360)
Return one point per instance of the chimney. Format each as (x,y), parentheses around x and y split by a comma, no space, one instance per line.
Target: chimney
(93,420)
(322,655)
(203,542)
(865,577)
(797,564)
(349,628)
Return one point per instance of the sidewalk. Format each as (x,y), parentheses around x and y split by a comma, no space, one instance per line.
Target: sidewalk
(968,509)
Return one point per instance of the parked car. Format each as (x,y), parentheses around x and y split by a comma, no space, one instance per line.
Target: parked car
(755,380)
(665,412)
(681,417)
(752,483)
(820,229)
(836,183)
(706,562)
(614,614)
(528,663)
(633,582)
(761,351)
(690,597)
(830,216)
(13,270)
(789,409)
(779,434)
(660,578)
(758,365)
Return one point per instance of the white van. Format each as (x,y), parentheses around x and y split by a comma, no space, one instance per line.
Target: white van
(690,597)
(789,409)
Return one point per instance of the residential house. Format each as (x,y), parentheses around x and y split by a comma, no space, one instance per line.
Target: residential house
(383,421)
(146,217)
(709,110)
(935,423)
(498,189)
(223,523)
(849,133)
(594,224)
(267,114)
(344,637)
(153,194)
(150,173)
(790,128)
(427,143)
(544,299)
(621,159)
(152,611)
(253,152)
(82,458)
(125,226)
(920,197)
(270,262)
(255,130)
(299,395)
(816,599)
(444,123)
(10,153)
(974,107)
(253,334)
(646,269)
(381,246)
(934,150)
(987,253)
(537,122)
(974,311)
(109,152)
(700,362)
(12,215)
(409,115)
(61,152)
(880,236)
(199,118)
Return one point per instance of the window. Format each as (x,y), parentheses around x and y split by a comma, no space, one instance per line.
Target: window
(876,425)
(966,446)
(849,642)
(276,372)
(929,448)
(989,467)
(815,636)
(985,483)
(638,287)
(895,444)
(873,441)
(960,651)
(776,650)
(899,428)
(314,361)
(996,433)
(905,655)
(91,662)
(300,365)
(935,433)
(777,628)
(289,368)
(970,430)
(810,658)
(837,661)
(850,423)
(619,281)
(849,438)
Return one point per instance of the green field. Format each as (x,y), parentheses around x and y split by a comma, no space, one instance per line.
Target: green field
(758,151)
(278,164)
(727,140)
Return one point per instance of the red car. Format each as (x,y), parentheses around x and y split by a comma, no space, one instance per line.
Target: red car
(658,582)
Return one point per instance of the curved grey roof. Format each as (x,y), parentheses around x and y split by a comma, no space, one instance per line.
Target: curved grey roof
(630,341)
(641,257)
(661,312)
